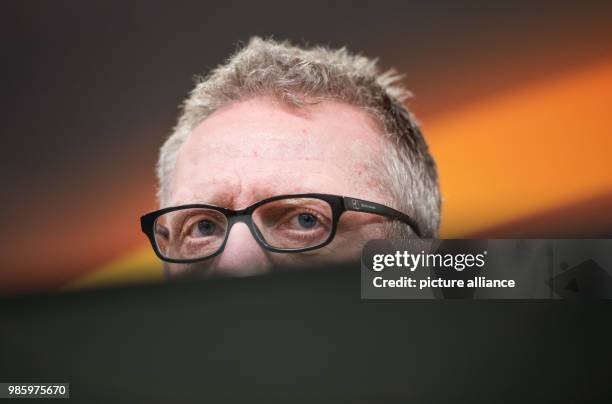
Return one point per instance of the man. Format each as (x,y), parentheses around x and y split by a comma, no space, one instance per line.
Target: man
(286,155)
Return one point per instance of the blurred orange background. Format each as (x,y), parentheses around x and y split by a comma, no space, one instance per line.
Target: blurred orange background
(514,102)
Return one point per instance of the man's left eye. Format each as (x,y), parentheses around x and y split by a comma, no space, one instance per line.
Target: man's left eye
(306,220)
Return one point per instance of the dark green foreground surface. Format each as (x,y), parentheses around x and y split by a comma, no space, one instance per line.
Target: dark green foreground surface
(304,337)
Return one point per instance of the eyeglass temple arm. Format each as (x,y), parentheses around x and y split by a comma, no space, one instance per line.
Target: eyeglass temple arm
(359,205)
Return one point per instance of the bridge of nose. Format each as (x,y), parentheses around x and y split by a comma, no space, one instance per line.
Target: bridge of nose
(248,222)
(243,254)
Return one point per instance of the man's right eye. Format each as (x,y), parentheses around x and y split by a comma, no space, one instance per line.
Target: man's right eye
(203,228)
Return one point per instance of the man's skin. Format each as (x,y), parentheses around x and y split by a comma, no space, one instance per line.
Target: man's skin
(256,148)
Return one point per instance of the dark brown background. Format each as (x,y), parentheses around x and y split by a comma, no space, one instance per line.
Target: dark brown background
(91,89)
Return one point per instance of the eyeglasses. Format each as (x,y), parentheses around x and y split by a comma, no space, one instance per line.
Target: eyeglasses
(281,224)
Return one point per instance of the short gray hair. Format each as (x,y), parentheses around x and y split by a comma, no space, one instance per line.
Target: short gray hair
(297,76)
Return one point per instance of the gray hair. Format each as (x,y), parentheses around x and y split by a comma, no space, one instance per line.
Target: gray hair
(299,76)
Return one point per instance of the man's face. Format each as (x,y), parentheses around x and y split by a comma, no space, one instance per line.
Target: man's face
(254,149)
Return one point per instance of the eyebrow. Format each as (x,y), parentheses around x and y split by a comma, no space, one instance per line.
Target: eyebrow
(213,198)
(197,201)
(227,202)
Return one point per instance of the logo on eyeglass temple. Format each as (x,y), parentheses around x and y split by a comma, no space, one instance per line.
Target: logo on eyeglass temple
(355,204)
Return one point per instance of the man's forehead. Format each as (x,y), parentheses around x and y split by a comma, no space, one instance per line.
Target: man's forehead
(260,143)
(264,127)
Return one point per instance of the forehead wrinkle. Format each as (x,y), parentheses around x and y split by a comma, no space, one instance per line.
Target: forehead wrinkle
(275,147)
(238,185)
(283,149)
(258,187)
(217,189)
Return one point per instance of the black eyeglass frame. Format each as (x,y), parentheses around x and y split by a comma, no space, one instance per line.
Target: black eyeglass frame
(339,205)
